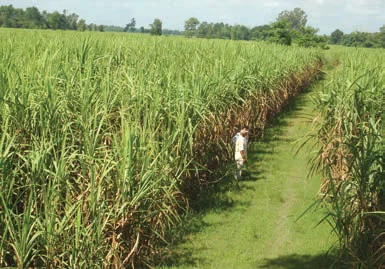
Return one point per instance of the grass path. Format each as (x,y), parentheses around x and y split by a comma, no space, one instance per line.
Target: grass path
(255,226)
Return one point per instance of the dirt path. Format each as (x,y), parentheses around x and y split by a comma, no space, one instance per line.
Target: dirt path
(255,226)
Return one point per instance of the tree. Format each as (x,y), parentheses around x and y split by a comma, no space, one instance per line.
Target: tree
(190,27)
(82,25)
(92,27)
(336,36)
(156,27)
(381,37)
(33,18)
(113,28)
(280,33)
(101,28)
(309,38)
(204,30)
(296,18)
(240,32)
(72,21)
(360,39)
(11,17)
(54,20)
(130,27)
(260,32)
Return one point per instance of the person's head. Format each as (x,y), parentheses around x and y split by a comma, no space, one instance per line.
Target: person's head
(244,131)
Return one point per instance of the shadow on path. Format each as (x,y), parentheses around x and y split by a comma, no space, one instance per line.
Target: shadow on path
(295,261)
(263,149)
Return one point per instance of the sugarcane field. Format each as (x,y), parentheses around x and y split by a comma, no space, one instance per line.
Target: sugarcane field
(201,143)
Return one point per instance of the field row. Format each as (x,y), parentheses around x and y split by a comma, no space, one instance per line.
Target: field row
(350,132)
(101,132)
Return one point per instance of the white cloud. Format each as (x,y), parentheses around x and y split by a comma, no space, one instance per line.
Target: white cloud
(270,4)
(363,7)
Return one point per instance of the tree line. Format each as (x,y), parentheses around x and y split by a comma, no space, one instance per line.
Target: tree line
(359,39)
(32,18)
(290,26)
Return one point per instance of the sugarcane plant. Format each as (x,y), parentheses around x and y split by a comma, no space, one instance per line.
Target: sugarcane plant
(350,135)
(105,137)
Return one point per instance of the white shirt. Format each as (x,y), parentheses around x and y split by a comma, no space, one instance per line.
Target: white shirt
(240,145)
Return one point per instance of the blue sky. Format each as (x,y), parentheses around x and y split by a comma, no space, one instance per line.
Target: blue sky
(327,15)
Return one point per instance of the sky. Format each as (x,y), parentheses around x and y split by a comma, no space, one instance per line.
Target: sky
(327,15)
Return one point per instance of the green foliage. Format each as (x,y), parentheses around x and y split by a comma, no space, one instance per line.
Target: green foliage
(240,32)
(56,21)
(82,25)
(156,27)
(190,27)
(101,28)
(289,27)
(359,39)
(261,33)
(296,18)
(92,27)
(214,30)
(169,32)
(308,38)
(113,28)
(11,17)
(280,33)
(72,21)
(336,36)
(381,37)
(31,18)
(130,27)
(204,30)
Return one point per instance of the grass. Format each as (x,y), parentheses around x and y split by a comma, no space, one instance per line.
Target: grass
(256,225)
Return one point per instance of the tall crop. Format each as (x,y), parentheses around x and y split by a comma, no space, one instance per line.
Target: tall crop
(99,133)
(352,151)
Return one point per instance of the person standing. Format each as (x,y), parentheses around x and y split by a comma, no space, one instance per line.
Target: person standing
(240,151)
